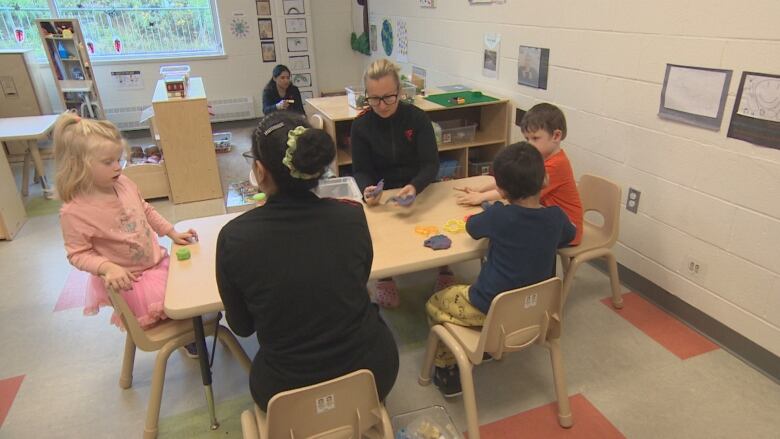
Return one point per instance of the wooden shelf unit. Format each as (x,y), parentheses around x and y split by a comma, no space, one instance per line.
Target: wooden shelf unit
(492,119)
(73,73)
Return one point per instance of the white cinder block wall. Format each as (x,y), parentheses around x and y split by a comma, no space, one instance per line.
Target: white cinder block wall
(704,196)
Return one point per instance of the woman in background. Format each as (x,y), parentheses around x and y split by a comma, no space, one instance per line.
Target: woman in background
(280,93)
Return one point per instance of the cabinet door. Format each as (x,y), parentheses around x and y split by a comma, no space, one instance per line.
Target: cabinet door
(12,214)
(17,97)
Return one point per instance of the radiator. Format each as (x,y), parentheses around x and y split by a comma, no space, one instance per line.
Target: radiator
(127,118)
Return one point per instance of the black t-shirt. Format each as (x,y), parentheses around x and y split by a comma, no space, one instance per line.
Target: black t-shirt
(400,149)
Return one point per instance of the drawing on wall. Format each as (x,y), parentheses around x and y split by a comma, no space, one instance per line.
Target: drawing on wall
(265,25)
(239,28)
(297,44)
(402,54)
(301,79)
(263,7)
(295,25)
(307,94)
(427,4)
(268,48)
(492,49)
(372,36)
(532,65)
(387,37)
(756,115)
(293,7)
(300,62)
(694,95)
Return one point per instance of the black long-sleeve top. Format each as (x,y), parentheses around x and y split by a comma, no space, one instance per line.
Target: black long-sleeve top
(400,149)
(295,271)
(271,98)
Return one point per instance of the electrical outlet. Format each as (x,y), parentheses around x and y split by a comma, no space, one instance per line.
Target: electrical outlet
(632,202)
(519,116)
(694,268)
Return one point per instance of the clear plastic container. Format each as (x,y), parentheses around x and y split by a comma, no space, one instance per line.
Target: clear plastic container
(222,141)
(480,168)
(428,423)
(356,96)
(339,187)
(448,170)
(457,131)
(408,91)
(166,71)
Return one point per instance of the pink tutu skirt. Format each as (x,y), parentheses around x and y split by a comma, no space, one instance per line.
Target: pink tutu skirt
(145,299)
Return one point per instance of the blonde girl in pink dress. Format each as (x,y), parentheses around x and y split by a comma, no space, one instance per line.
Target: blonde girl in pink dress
(109,230)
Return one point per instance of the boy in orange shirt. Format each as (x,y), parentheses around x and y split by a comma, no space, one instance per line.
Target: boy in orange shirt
(544,126)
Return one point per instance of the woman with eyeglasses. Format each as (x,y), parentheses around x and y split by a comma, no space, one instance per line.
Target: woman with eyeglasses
(295,270)
(392,142)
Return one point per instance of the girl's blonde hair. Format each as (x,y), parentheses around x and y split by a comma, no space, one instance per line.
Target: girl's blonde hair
(76,141)
(381,68)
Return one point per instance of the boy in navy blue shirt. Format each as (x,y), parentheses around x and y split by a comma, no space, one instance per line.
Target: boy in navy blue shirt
(524,236)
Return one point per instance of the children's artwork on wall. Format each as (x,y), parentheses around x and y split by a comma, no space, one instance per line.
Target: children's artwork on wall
(372,36)
(418,78)
(268,48)
(387,37)
(427,4)
(300,62)
(694,95)
(297,44)
(532,65)
(402,54)
(295,25)
(476,2)
(490,58)
(265,25)
(301,79)
(756,116)
(263,7)
(239,27)
(293,7)
(307,94)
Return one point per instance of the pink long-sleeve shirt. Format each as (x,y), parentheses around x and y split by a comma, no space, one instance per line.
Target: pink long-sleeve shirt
(123,230)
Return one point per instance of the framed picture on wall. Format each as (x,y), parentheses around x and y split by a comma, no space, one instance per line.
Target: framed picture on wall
(263,7)
(297,44)
(301,79)
(307,94)
(266,27)
(300,62)
(269,51)
(532,65)
(293,7)
(295,25)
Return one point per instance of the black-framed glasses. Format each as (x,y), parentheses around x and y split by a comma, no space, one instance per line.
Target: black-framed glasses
(388,99)
(249,157)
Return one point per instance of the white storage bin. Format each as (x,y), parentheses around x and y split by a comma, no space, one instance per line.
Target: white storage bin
(339,187)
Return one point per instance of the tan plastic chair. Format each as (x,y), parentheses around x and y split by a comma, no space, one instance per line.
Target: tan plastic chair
(342,408)
(516,320)
(316,121)
(603,196)
(164,338)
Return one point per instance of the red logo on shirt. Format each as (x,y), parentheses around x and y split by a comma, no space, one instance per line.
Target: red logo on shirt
(409,133)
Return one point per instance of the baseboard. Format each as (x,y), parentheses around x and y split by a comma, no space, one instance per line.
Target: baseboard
(748,351)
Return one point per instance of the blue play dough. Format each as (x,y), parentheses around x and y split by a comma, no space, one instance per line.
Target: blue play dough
(438,242)
(401,201)
(377,191)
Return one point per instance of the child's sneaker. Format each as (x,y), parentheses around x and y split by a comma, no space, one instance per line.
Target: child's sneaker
(387,294)
(447,379)
(445,279)
(191,350)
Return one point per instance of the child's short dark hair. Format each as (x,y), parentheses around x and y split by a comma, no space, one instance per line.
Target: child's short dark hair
(519,170)
(314,152)
(546,117)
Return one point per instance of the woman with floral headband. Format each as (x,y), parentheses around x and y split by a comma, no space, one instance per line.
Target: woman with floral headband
(295,271)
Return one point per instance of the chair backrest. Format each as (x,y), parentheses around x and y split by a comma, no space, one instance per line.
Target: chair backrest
(344,407)
(603,196)
(316,121)
(520,317)
(131,322)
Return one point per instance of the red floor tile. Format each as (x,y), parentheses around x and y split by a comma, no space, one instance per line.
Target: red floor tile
(72,295)
(8,389)
(669,332)
(542,422)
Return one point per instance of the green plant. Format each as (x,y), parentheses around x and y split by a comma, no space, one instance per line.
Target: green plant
(360,43)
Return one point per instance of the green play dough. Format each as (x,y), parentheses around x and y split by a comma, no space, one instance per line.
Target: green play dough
(183,254)
(258,196)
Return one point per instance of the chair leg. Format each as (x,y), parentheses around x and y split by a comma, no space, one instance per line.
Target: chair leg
(564,409)
(26,173)
(565,264)
(249,427)
(614,280)
(430,353)
(568,278)
(126,377)
(467,386)
(155,396)
(228,339)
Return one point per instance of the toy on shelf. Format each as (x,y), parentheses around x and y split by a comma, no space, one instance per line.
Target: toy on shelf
(177,79)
